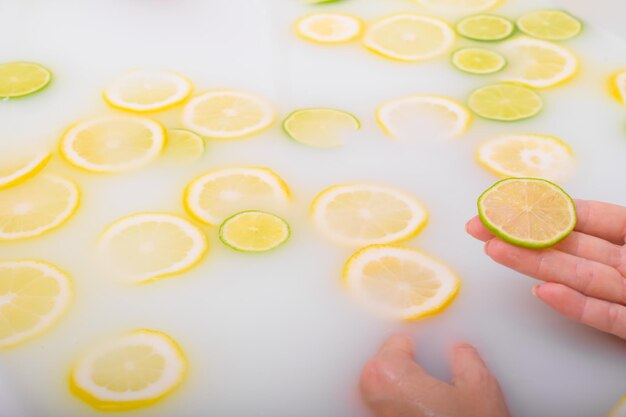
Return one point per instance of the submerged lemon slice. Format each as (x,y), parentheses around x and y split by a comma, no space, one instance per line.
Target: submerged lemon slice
(485,27)
(364,214)
(33,296)
(129,372)
(478,61)
(461,6)
(528,212)
(321,128)
(16,168)
(19,79)
(184,145)
(618,86)
(552,25)
(36,207)
(112,143)
(409,37)
(329,28)
(401,283)
(254,231)
(505,102)
(620,409)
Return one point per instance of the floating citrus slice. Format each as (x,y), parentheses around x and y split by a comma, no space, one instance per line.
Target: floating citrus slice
(329,28)
(552,25)
(254,231)
(478,61)
(321,128)
(618,86)
(485,27)
(184,145)
(18,79)
(460,6)
(15,169)
(505,102)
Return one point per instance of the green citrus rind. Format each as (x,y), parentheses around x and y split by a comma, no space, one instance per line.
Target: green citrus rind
(232,245)
(34,89)
(505,35)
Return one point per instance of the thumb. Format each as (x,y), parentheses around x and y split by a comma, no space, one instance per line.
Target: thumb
(469,369)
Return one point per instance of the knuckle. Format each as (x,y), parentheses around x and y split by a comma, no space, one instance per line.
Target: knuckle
(617,320)
(584,275)
(374,375)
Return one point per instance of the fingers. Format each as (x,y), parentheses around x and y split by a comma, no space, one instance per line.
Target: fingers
(605,316)
(594,249)
(476,228)
(603,220)
(588,277)
(468,368)
(399,344)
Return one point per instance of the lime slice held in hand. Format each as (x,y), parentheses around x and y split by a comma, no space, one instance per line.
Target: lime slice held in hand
(320,127)
(485,27)
(478,61)
(254,231)
(18,79)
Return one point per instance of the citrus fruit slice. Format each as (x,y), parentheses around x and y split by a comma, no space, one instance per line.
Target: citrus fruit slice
(15,169)
(552,25)
(424,116)
(227,114)
(620,409)
(528,212)
(112,143)
(539,64)
(460,6)
(18,79)
(219,194)
(409,37)
(142,90)
(402,283)
(36,207)
(147,246)
(33,296)
(505,102)
(364,214)
(321,128)
(485,27)
(329,27)
(618,86)
(254,231)
(184,145)
(131,371)
(527,155)
(478,61)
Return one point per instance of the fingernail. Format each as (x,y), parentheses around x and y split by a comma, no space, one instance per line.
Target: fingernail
(534,291)
(467,225)
(486,247)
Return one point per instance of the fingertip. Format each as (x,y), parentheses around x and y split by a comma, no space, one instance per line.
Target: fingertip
(475,228)
(398,342)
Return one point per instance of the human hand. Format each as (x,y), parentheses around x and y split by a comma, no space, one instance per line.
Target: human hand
(585,273)
(394,385)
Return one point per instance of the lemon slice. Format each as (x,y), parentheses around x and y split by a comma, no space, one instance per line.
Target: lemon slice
(219,194)
(617,84)
(364,214)
(147,246)
(527,156)
(132,371)
(36,207)
(461,6)
(254,231)
(112,143)
(409,37)
(227,114)
(321,128)
(552,25)
(478,61)
(620,409)
(424,116)
(401,283)
(15,169)
(539,64)
(33,296)
(142,91)
(18,79)
(329,27)
(184,145)
(505,102)
(485,27)
(528,212)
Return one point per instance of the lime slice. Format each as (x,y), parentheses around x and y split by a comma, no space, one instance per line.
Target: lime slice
(505,102)
(254,231)
(321,128)
(552,25)
(529,212)
(321,1)
(485,27)
(183,144)
(18,79)
(478,61)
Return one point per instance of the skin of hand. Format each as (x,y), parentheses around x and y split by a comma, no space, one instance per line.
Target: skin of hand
(393,384)
(585,274)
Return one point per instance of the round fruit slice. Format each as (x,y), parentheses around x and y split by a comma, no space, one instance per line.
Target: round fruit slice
(112,143)
(460,6)
(402,283)
(364,214)
(620,409)
(552,25)
(329,28)
(226,114)
(184,145)
(618,86)
(147,246)
(18,79)
(254,231)
(478,61)
(528,212)
(15,169)
(36,207)
(33,296)
(219,194)
(321,128)
(423,116)
(539,64)
(409,37)
(485,27)
(132,371)
(505,102)
(527,156)
(141,90)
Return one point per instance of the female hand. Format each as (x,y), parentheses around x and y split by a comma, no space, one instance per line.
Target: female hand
(585,274)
